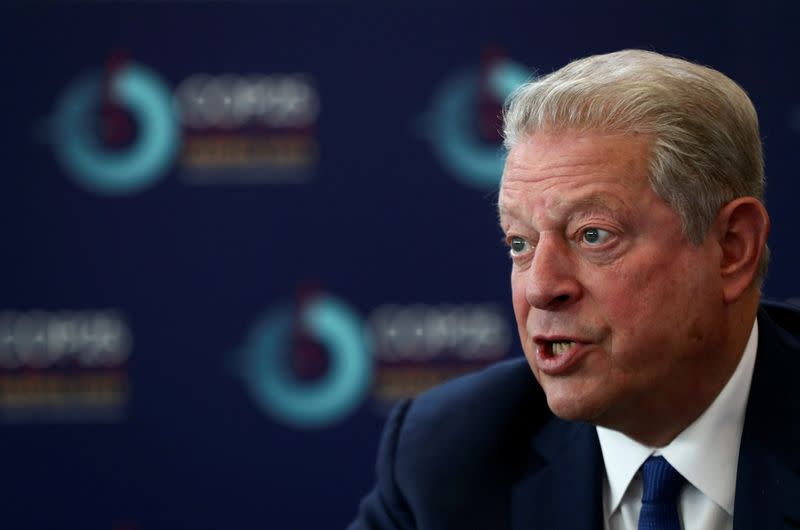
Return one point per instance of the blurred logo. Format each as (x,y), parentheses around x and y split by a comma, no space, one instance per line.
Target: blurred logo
(311,363)
(308,364)
(248,128)
(116,132)
(119,131)
(63,366)
(463,124)
(418,346)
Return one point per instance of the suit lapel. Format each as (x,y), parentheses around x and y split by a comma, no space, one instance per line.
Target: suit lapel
(562,489)
(767,491)
(768,477)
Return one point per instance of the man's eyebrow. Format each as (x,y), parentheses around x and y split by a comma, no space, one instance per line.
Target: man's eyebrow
(583,205)
(503,211)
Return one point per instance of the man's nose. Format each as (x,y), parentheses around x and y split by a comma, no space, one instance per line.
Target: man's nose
(551,281)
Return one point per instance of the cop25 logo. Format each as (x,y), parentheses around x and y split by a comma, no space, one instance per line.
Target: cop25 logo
(266,362)
(134,166)
(450,124)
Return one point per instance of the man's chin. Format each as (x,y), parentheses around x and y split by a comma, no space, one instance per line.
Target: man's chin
(573,409)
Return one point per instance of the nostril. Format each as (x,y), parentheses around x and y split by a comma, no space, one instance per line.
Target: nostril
(557,302)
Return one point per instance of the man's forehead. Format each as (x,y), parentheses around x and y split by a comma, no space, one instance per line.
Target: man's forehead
(565,172)
(565,152)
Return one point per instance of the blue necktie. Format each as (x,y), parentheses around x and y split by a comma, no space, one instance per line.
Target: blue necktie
(662,485)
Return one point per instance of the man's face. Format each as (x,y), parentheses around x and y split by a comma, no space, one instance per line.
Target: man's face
(614,306)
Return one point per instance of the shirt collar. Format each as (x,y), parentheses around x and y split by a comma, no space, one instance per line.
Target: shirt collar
(702,452)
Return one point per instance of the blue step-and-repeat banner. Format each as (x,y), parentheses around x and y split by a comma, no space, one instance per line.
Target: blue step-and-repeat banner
(233,235)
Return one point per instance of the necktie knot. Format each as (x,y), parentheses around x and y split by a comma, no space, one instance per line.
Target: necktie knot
(662,485)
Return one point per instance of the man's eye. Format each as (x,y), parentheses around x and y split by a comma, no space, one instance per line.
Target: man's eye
(518,245)
(595,236)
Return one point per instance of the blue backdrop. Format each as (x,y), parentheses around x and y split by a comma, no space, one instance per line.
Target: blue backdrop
(234,234)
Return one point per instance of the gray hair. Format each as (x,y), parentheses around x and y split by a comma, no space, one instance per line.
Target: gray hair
(707,146)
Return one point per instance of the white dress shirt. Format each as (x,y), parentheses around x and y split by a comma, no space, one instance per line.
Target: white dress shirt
(706,453)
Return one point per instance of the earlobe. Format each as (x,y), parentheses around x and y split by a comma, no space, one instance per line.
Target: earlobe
(743,228)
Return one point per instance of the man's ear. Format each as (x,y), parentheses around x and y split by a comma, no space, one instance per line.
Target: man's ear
(743,225)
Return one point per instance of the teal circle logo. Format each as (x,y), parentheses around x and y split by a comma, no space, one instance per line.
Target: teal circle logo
(266,363)
(140,163)
(450,124)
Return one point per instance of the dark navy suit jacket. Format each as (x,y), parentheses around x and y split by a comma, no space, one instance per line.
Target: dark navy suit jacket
(484,452)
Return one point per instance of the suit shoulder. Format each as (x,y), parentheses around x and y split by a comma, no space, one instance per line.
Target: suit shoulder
(785,318)
(458,446)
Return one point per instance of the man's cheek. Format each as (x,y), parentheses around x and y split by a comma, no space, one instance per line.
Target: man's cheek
(520,305)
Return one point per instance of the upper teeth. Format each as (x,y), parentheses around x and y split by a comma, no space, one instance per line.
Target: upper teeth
(561,347)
